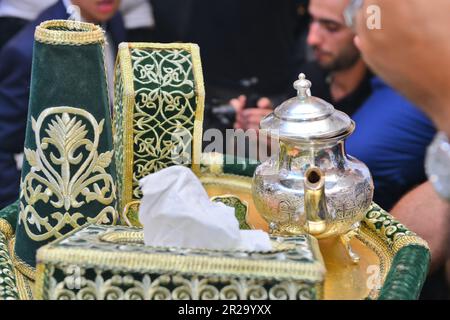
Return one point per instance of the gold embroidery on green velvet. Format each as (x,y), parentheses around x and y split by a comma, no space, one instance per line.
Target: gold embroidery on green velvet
(149,287)
(58,32)
(6,228)
(68,175)
(8,287)
(111,268)
(164,112)
(382,222)
(118,134)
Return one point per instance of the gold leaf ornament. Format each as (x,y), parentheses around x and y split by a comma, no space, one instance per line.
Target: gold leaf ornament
(68,175)
(31,157)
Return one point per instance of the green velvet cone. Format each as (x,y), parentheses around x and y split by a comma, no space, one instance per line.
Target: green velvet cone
(68,175)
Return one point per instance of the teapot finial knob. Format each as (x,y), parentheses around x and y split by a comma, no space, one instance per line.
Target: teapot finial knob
(303,86)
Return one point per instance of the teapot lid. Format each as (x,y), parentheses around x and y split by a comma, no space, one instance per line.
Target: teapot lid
(306,117)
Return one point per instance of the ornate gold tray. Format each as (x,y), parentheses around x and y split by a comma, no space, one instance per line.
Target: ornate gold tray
(379,240)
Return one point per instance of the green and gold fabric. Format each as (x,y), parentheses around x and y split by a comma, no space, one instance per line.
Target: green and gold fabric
(112,263)
(100,262)
(158,111)
(8,219)
(68,174)
(69,180)
(8,284)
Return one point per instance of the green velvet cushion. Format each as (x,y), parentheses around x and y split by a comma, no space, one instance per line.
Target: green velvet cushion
(407,274)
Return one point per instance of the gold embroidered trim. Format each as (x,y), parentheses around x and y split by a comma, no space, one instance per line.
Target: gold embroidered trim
(39,283)
(24,286)
(226,266)
(137,237)
(395,234)
(373,241)
(124,57)
(65,32)
(404,241)
(123,237)
(197,136)
(20,265)
(23,273)
(185,264)
(6,229)
(8,283)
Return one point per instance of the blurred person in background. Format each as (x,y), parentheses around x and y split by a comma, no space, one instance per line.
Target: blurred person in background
(139,20)
(411,52)
(246,46)
(15,75)
(15,14)
(338,73)
(391,133)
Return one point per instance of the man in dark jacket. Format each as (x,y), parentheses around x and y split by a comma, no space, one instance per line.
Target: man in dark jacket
(15,75)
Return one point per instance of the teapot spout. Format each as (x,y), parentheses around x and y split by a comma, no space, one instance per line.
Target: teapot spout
(315,202)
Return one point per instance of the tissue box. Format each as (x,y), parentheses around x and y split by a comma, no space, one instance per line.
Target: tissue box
(158,112)
(111,262)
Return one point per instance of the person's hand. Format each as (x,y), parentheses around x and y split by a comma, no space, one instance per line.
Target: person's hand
(411,51)
(250,118)
(238,104)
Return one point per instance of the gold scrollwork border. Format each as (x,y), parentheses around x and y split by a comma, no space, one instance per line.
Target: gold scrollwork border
(65,32)
(123,62)
(23,273)
(126,71)
(404,241)
(25,286)
(24,268)
(41,273)
(157,262)
(185,264)
(385,249)
(374,242)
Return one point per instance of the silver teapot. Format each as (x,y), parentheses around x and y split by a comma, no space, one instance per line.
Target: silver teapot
(311,185)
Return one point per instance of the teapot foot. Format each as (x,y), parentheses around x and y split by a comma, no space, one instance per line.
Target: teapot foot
(345,239)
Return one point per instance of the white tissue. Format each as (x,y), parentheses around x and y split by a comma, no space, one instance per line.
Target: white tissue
(175,211)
